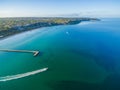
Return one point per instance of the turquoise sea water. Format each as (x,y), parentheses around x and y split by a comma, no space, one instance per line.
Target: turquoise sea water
(79,57)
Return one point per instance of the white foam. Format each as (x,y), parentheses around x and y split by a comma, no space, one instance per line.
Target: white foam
(12,77)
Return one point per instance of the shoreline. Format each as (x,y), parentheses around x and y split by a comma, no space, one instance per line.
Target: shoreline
(21,29)
(23,32)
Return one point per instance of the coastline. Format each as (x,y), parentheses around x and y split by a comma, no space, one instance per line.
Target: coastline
(21,29)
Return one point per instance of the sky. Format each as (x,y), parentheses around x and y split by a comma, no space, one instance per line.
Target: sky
(65,8)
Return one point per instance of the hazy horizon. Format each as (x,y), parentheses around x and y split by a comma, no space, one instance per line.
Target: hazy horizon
(61,8)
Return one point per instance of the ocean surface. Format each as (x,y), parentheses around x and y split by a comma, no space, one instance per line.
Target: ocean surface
(78,57)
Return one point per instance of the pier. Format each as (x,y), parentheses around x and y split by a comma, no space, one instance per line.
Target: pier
(35,53)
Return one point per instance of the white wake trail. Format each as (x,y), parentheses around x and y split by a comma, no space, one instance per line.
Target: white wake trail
(12,77)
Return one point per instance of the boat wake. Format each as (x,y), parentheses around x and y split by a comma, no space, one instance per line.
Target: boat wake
(18,76)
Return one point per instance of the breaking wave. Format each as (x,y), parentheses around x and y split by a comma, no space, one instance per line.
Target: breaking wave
(12,77)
